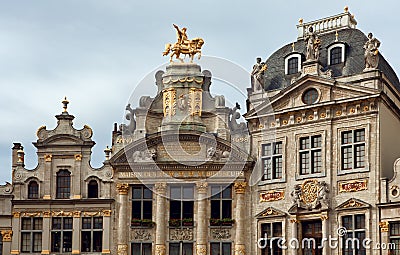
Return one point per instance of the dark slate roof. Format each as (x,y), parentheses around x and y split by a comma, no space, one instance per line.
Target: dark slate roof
(354,61)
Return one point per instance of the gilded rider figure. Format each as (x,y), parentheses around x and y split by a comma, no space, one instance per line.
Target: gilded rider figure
(371,54)
(181,35)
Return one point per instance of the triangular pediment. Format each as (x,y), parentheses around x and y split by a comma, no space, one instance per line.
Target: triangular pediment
(270,212)
(291,97)
(352,204)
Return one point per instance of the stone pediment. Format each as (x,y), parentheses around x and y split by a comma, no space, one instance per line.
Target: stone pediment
(352,204)
(270,212)
(291,98)
(192,147)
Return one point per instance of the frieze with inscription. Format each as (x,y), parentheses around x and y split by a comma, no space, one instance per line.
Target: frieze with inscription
(273,195)
(353,186)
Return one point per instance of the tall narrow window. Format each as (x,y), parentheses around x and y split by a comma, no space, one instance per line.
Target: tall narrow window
(293,65)
(180,248)
(336,55)
(142,205)
(61,235)
(93,189)
(141,249)
(354,238)
(31,235)
(221,205)
(271,234)
(220,248)
(310,155)
(33,190)
(181,206)
(353,149)
(92,234)
(63,184)
(272,161)
(394,238)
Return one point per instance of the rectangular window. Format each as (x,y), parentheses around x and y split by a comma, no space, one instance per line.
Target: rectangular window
(31,235)
(271,232)
(141,249)
(181,206)
(61,234)
(221,205)
(394,238)
(355,235)
(336,55)
(293,65)
(142,205)
(181,249)
(221,248)
(92,234)
(310,155)
(353,149)
(272,161)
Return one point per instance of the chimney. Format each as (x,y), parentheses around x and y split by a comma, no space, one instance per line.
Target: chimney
(17,146)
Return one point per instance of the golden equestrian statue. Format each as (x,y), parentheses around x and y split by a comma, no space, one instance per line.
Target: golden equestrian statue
(184,46)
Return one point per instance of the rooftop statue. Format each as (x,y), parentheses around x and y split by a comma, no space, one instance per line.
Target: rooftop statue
(257,75)
(183,46)
(371,54)
(312,45)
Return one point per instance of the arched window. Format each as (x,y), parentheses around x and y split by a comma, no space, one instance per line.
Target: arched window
(93,189)
(33,190)
(293,63)
(63,184)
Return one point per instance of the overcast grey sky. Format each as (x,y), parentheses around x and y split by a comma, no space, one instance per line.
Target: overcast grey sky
(96,52)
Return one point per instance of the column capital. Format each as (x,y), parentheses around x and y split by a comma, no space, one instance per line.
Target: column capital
(201,249)
(160,249)
(240,187)
(384,225)
(122,249)
(324,216)
(122,188)
(160,187)
(7,235)
(202,187)
(294,219)
(240,249)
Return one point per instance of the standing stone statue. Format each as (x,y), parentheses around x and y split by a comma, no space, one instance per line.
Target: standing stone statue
(312,45)
(371,54)
(257,75)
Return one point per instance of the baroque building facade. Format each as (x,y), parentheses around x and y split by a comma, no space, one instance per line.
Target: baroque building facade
(316,162)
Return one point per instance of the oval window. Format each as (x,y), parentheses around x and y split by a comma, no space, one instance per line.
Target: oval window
(310,96)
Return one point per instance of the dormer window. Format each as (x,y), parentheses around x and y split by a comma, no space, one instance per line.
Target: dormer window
(336,53)
(293,63)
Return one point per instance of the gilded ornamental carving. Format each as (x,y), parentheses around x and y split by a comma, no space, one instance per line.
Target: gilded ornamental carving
(273,195)
(353,186)
(122,188)
(240,187)
(7,235)
(310,194)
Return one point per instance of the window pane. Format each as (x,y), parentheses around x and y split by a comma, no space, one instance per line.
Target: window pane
(360,155)
(215,248)
(227,209)
(293,65)
(347,158)
(359,221)
(136,210)
(86,241)
(67,241)
(147,210)
(175,210)
(304,143)
(187,249)
(37,223)
(226,248)
(147,194)
(359,135)
(227,193)
(277,229)
(56,223)
(26,224)
(97,223)
(266,149)
(174,249)
(278,148)
(277,167)
(67,223)
(347,137)
(347,222)
(187,209)
(188,192)
(146,249)
(316,161)
(215,192)
(25,242)
(175,193)
(316,141)
(97,241)
(215,209)
(55,241)
(336,55)
(267,169)
(304,162)
(136,249)
(395,229)
(137,192)
(37,242)
(86,223)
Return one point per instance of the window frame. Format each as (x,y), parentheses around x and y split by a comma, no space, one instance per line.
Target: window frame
(343,213)
(343,55)
(183,203)
(221,246)
(261,145)
(181,244)
(310,151)
(89,191)
(141,247)
(221,200)
(63,231)
(353,231)
(92,230)
(142,201)
(269,237)
(272,157)
(290,56)
(37,190)
(60,192)
(366,167)
(394,239)
(31,232)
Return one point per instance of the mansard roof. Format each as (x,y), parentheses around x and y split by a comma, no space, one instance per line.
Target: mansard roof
(354,40)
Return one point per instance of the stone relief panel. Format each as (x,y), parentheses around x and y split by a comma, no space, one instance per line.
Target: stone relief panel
(141,234)
(220,234)
(181,234)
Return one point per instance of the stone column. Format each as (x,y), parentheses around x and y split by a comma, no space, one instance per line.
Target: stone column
(240,247)
(161,233)
(106,234)
(294,222)
(7,237)
(46,232)
(15,241)
(122,201)
(325,233)
(202,227)
(76,247)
